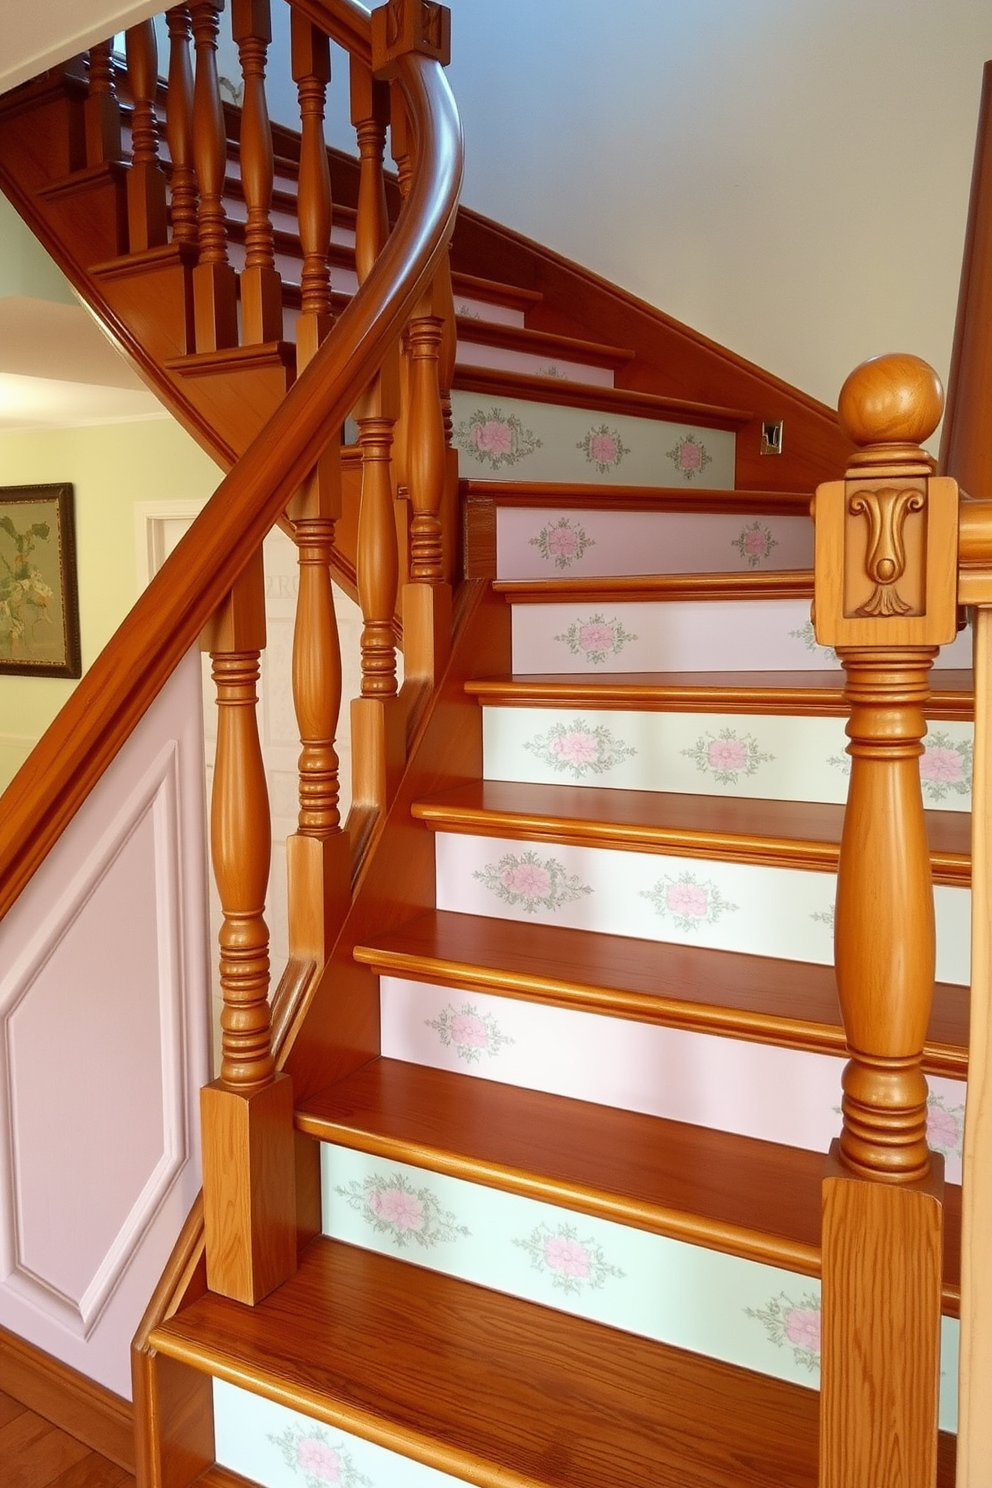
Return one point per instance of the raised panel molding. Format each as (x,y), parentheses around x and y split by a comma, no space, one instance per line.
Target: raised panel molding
(104,1006)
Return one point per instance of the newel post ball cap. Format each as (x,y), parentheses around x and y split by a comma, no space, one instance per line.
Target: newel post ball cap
(894,399)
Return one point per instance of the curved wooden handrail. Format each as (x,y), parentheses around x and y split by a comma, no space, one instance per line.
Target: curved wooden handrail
(347,24)
(131,670)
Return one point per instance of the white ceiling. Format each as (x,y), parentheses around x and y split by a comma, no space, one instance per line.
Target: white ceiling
(39,34)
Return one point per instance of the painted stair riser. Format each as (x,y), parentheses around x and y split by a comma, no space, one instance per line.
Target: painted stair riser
(743,1312)
(473,307)
(764,635)
(549,543)
(553,442)
(276,1447)
(532,364)
(789,1096)
(729,906)
(782,757)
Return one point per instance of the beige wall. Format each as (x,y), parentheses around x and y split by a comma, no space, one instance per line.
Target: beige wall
(112,467)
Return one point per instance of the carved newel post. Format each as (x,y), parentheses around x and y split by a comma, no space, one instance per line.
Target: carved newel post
(886,587)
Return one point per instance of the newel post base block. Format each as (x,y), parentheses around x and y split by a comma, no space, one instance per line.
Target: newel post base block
(249,1188)
(880,1361)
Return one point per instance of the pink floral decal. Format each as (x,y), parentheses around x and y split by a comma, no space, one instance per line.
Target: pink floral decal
(532,883)
(309,1452)
(469,1032)
(727,755)
(579,749)
(945,766)
(562,543)
(687,902)
(945,1125)
(596,638)
(603,448)
(807,635)
(825,916)
(574,1265)
(495,439)
(755,543)
(794,1325)
(468,313)
(690,457)
(393,1207)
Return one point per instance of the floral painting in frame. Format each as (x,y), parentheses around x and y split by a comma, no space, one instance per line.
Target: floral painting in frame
(39,605)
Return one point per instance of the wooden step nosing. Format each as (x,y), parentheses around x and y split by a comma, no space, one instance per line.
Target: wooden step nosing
(488,333)
(638,588)
(372,1426)
(512,296)
(493,383)
(745,1024)
(512,495)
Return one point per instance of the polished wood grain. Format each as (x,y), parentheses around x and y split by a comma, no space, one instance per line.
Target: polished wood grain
(814,694)
(493,381)
(780,584)
(101,109)
(260,286)
(214,280)
(426,442)
(498,1391)
(758,1200)
(543,344)
(146,208)
(67,1400)
(637,498)
(36,1454)
(881,1308)
(310,55)
(797,833)
(179,128)
(789,1003)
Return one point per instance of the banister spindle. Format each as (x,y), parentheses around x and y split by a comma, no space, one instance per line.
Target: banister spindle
(214,283)
(378,564)
(886,587)
(247,1112)
(101,111)
(179,127)
(261,286)
(146,209)
(370,116)
(311,65)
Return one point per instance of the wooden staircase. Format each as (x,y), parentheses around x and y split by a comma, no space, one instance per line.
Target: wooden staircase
(565,983)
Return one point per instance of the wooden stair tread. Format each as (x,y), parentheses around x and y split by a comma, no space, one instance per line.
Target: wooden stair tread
(762,584)
(749,1198)
(541,343)
(802,834)
(472,287)
(582,494)
(495,1390)
(814,692)
(491,382)
(789,1003)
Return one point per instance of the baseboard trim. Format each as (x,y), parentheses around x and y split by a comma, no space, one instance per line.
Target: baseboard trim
(77,1405)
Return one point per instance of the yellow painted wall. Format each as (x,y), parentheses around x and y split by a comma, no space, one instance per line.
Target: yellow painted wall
(112,467)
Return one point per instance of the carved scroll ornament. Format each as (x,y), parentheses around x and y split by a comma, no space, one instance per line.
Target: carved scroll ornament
(885,563)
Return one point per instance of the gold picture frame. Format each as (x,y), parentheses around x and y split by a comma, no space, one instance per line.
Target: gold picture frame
(39,597)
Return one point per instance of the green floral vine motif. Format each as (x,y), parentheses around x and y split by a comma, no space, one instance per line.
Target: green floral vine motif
(794,1325)
(562,543)
(689,456)
(687,902)
(604,448)
(578,749)
(807,635)
(469,1032)
(526,880)
(317,1459)
(945,766)
(596,638)
(495,438)
(754,543)
(24,595)
(393,1207)
(727,755)
(574,1265)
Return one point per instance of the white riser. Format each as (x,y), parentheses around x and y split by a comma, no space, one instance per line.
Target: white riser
(728,906)
(506,359)
(536,543)
(779,757)
(756,1090)
(752,635)
(474,308)
(552,442)
(651,1285)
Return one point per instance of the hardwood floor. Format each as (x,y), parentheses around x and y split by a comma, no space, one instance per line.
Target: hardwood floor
(36,1454)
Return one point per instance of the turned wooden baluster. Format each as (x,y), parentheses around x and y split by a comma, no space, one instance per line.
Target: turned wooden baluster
(101,110)
(261,286)
(249,1198)
(179,127)
(214,281)
(370,116)
(311,65)
(146,211)
(886,585)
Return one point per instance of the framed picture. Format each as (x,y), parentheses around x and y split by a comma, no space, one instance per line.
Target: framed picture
(39,603)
